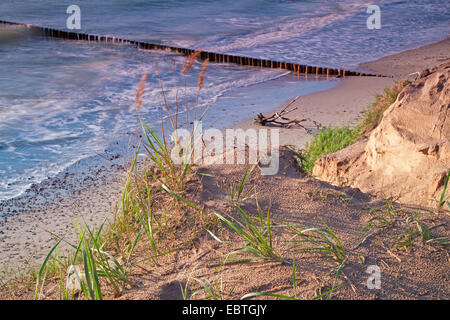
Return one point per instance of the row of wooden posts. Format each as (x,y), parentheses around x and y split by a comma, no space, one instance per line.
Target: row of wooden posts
(212,56)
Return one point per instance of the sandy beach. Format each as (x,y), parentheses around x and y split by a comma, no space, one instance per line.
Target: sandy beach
(344,104)
(28,222)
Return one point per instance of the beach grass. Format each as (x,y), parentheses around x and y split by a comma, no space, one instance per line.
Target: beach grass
(444,199)
(401,230)
(374,114)
(88,268)
(379,219)
(255,231)
(334,139)
(106,256)
(295,295)
(327,141)
(237,194)
(208,290)
(322,240)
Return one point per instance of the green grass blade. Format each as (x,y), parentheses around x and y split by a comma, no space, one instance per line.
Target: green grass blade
(267,294)
(42,269)
(134,244)
(167,189)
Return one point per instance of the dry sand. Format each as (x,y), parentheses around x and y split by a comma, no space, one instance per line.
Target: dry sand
(421,272)
(24,220)
(342,105)
(404,63)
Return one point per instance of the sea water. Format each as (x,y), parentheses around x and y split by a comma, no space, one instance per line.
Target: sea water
(62,101)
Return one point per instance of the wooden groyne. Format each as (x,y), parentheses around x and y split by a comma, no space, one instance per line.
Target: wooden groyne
(212,56)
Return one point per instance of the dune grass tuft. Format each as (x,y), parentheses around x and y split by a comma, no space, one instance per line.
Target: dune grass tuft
(295,295)
(373,116)
(257,233)
(104,259)
(334,139)
(327,141)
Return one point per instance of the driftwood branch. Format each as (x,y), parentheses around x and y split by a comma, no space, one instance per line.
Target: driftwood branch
(278,118)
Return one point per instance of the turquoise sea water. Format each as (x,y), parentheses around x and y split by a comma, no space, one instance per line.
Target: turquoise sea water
(63,101)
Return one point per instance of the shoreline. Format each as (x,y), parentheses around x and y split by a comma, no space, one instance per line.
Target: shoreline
(23,228)
(341,105)
(87,190)
(402,64)
(345,103)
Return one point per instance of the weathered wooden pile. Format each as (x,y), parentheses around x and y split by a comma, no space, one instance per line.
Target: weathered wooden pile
(212,56)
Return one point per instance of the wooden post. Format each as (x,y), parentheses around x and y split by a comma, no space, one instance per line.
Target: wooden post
(214,57)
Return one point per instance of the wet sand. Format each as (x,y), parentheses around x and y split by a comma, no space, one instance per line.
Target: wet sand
(402,64)
(87,191)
